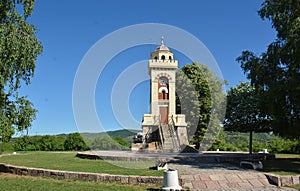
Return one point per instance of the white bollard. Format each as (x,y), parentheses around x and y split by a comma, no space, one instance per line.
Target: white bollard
(171,180)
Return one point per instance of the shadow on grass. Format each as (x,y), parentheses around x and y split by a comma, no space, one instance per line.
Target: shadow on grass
(282,166)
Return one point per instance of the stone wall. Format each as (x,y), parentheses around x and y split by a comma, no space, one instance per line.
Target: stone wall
(286,180)
(25,171)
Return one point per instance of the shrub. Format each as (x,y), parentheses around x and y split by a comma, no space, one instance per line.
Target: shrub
(121,141)
(75,142)
(107,143)
(39,143)
(281,145)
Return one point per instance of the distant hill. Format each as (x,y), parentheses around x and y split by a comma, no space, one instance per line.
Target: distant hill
(90,138)
(124,133)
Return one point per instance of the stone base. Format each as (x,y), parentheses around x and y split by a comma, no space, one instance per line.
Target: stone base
(151,147)
(137,147)
(151,133)
(182,135)
(171,139)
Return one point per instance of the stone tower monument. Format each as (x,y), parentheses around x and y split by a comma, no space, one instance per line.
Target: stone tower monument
(163,129)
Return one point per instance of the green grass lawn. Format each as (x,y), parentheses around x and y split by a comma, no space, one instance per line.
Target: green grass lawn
(19,183)
(297,186)
(67,161)
(284,164)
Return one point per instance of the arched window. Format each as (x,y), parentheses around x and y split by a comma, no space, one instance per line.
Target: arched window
(163,57)
(170,57)
(163,93)
(155,57)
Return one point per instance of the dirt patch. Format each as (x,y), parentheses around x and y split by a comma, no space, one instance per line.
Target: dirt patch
(2,175)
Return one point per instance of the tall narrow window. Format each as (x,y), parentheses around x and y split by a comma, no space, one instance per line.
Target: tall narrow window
(164,94)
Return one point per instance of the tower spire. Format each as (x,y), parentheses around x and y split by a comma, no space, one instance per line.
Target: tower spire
(162,40)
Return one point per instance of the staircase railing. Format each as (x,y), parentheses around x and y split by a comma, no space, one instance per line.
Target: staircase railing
(158,122)
(173,134)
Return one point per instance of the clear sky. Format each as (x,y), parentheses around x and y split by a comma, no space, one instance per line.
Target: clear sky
(68,29)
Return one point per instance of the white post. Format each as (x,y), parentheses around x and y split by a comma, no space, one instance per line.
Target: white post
(171,180)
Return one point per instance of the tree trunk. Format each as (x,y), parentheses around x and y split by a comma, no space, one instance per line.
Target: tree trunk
(250,142)
(2,147)
(26,139)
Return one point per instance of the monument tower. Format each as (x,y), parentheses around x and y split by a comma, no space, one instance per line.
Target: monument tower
(163,129)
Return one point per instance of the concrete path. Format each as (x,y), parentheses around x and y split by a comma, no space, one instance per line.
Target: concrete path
(228,181)
(199,172)
(221,176)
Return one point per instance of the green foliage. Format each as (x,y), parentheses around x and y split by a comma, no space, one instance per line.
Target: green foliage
(200,97)
(16,115)
(8,147)
(123,133)
(19,49)
(75,142)
(243,113)
(51,143)
(70,142)
(236,141)
(276,72)
(39,143)
(121,141)
(281,145)
(107,143)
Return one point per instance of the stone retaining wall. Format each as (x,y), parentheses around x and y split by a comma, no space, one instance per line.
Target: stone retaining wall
(287,180)
(97,177)
(205,157)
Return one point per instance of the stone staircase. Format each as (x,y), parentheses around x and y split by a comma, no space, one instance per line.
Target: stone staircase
(170,142)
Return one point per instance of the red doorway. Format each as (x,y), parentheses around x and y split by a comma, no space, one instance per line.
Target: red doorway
(163,111)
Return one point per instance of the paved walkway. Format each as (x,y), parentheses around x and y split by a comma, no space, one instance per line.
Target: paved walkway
(228,181)
(216,176)
(198,175)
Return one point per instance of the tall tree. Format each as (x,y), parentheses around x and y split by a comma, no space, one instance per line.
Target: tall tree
(201,98)
(276,72)
(243,113)
(19,49)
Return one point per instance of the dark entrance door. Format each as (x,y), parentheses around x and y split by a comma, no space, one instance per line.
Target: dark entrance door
(163,111)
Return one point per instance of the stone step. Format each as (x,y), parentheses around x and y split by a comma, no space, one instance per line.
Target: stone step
(169,139)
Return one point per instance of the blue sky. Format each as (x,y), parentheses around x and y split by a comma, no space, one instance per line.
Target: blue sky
(68,29)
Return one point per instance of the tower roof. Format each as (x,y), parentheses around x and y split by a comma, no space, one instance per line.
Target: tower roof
(162,46)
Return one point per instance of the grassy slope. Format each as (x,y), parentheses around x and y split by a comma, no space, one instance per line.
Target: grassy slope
(18,183)
(284,164)
(68,161)
(296,186)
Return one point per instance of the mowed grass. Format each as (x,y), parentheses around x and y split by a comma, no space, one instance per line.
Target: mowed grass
(297,186)
(68,161)
(284,164)
(20,183)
